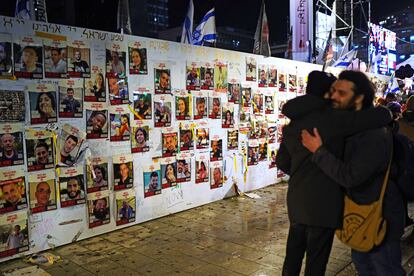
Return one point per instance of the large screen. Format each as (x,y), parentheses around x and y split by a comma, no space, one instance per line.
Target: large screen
(382,50)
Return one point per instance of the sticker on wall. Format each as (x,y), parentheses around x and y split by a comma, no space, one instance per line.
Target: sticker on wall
(253,152)
(115,60)
(207,76)
(118,91)
(202,137)
(55,58)
(282,81)
(272,132)
(186,137)
(142,104)
(71,98)
(183,167)
(11,151)
(15,230)
(281,103)
(72,186)
(220,77)
(162,107)
(183,105)
(272,72)
(193,76)
(269,102)
(168,172)
(40,150)
(216,174)
(246,96)
(232,139)
(258,103)
(140,138)
(263,149)
(123,170)
(293,83)
(95,86)
(96,120)
(227,120)
(169,142)
(79,59)
(138,62)
(28,57)
(162,79)
(120,128)
(234,92)
(12,190)
(152,179)
(201,169)
(98,209)
(215,106)
(125,207)
(244,119)
(272,155)
(251,69)
(200,100)
(42,191)
(216,152)
(12,106)
(69,144)
(6,66)
(301,85)
(262,77)
(42,103)
(97,174)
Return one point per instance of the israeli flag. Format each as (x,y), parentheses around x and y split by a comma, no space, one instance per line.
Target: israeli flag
(206,31)
(346,59)
(187,33)
(393,85)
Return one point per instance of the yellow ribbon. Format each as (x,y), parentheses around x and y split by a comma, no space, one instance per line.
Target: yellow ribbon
(134,112)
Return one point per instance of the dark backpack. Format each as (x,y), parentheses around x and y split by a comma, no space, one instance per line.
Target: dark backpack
(404,161)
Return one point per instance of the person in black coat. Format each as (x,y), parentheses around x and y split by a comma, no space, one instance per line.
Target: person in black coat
(315,201)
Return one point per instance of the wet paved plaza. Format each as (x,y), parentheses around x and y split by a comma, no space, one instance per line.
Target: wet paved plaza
(235,236)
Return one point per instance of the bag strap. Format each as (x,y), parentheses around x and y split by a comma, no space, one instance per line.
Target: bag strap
(387,174)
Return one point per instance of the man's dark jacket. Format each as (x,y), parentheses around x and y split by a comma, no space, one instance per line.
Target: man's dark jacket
(314,198)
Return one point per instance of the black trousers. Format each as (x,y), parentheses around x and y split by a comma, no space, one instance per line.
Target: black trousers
(316,242)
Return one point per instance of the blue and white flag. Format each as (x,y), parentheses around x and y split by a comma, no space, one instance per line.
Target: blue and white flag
(206,31)
(31,10)
(346,59)
(187,33)
(393,85)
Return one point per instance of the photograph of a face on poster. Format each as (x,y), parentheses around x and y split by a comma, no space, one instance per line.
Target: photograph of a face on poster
(142,104)
(42,103)
(118,91)
(162,80)
(262,79)
(272,156)
(95,86)
(137,61)
(253,153)
(120,126)
(214,107)
(12,190)
(98,209)
(70,99)
(232,139)
(203,139)
(115,61)
(282,81)
(301,85)
(216,175)
(97,174)
(6,67)
(262,150)
(15,232)
(227,120)
(28,58)
(216,152)
(183,167)
(169,144)
(207,77)
(193,76)
(186,138)
(168,172)
(79,60)
(234,92)
(269,104)
(244,119)
(271,130)
(247,96)
(201,168)
(96,121)
(55,58)
(152,180)
(200,106)
(123,169)
(12,106)
(281,103)
(162,115)
(69,143)
(72,186)
(40,150)
(182,108)
(258,103)
(11,145)
(272,76)
(220,77)
(140,139)
(251,69)
(125,207)
(42,191)
(292,83)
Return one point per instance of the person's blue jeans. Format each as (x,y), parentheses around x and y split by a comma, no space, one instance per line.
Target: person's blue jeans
(384,260)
